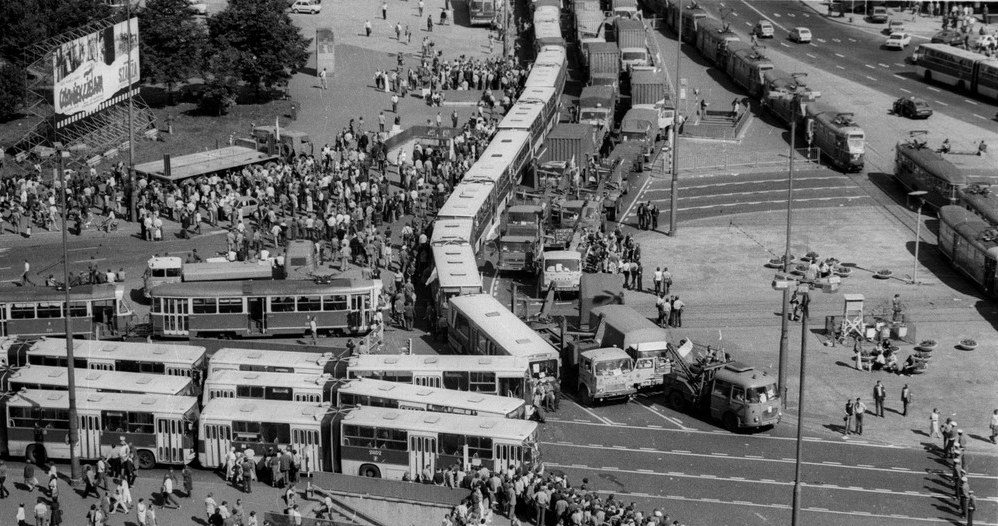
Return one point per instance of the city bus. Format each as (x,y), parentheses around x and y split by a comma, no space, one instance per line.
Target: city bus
(536,111)
(263,426)
(389,443)
(480,325)
(158,428)
(495,375)
(147,358)
(305,363)
(263,308)
(57,379)
(960,68)
(455,272)
(502,164)
(368,392)
(481,12)
(268,386)
(971,245)
(95,311)
(472,203)
(549,70)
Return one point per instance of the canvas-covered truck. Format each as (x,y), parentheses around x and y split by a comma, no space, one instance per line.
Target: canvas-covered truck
(650,90)
(646,343)
(522,239)
(596,108)
(604,64)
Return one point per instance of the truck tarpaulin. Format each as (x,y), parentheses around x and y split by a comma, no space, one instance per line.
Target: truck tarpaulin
(569,141)
(647,87)
(630,33)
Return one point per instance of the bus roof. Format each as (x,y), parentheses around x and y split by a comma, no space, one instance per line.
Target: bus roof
(257,357)
(120,350)
(456,266)
(164,262)
(432,395)
(93,401)
(527,109)
(105,291)
(261,288)
(543,76)
(493,427)
(451,231)
(97,379)
(498,155)
(745,375)
(550,56)
(465,202)
(946,49)
(269,379)
(504,328)
(275,411)
(417,363)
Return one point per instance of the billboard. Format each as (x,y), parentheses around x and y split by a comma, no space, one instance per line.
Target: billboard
(325,50)
(92,72)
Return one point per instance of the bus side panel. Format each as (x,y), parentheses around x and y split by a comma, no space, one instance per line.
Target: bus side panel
(391,462)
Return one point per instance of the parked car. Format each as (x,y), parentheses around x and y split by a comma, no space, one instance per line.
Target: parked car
(912,107)
(879,15)
(898,41)
(801,35)
(306,6)
(953,38)
(894,26)
(763,29)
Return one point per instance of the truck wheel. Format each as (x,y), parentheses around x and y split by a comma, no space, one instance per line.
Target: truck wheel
(677,400)
(730,422)
(585,397)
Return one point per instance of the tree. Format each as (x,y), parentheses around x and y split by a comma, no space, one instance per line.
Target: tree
(27,22)
(267,47)
(172,42)
(12,89)
(221,83)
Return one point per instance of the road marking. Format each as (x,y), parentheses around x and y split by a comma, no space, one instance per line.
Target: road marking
(763,15)
(5,268)
(812,44)
(840,55)
(81,249)
(748,24)
(627,212)
(89,260)
(840,67)
(821,40)
(777,15)
(852,40)
(829,462)
(940,103)
(980,117)
(902,78)
(666,418)
(869,66)
(791,15)
(871,78)
(934,89)
(899,64)
(881,64)
(784,44)
(775,190)
(758,181)
(594,415)
(836,40)
(810,55)
(865,465)
(968,101)
(806,15)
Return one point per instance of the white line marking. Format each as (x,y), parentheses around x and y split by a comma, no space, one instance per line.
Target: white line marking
(89,260)
(594,415)
(667,418)
(80,249)
(840,55)
(810,55)
(871,78)
(5,268)
(777,15)
(881,64)
(904,90)
(812,44)
(836,40)
(900,77)
(940,103)
(820,40)
(980,117)
(899,64)
(968,101)
(934,89)
(791,15)
(784,44)
(840,67)
(869,66)
(852,40)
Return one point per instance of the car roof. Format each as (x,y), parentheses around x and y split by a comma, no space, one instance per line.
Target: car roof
(765,23)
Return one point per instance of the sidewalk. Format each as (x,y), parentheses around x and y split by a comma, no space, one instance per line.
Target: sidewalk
(919,26)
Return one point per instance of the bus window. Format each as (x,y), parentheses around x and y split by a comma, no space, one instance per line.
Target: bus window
(394,439)
(249,391)
(762,394)
(278,393)
(738,394)
(482,382)
(462,327)
(480,447)
(722,389)
(451,445)
(457,380)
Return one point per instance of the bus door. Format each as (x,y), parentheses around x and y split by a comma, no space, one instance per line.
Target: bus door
(170,441)
(426,380)
(99,365)
(306,441)
(89,436)
(506,455)
(422,453)
(257,314)
(217,438)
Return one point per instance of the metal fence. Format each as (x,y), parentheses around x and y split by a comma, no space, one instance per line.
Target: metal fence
(726,158)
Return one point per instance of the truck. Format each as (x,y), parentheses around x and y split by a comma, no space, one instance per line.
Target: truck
(640,124)
(595,290)
(604,64)
(522,240)
(597,105)
(634,57)
(645,342)
(280,141)
(630,33)
(605,374)
(571,216)
(560,269)
(651,90)
(736,394)
(625,8)
(573,142)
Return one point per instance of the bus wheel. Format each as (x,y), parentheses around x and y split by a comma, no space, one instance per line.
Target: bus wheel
(370,471)
(677,401)
(585,397)
(146,459)
(730,422)
(35,454)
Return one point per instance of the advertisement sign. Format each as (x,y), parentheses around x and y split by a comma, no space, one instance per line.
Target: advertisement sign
(325,50)
(92,72)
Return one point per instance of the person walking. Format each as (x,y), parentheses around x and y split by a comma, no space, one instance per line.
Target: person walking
(420,6)
(398,31)
(677,310)
(381,122)
(167,489)
(429,23)
(367,28)
(322,81)
(26,275)
(850,412)
(658,280)
(384,10)
(879,395)
(905,399)
(859,408)
(971,504)
(994,427)
(666,280)
(30,481)
(934,424)
(313,330)
(4,493)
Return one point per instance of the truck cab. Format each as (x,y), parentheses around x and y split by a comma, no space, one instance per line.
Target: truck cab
(560,268)
(596,108)
(633,57)
(605,374)
(517,253)
(274,141)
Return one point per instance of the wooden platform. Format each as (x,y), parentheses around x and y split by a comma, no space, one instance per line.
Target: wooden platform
(202,163)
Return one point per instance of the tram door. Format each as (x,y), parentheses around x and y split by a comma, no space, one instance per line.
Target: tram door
(422,453)
(257,314)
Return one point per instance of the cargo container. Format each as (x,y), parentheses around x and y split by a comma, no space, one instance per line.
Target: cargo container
(651,90)
(604,64)
(570,141)
(625,8)
(596,108)
(630,33)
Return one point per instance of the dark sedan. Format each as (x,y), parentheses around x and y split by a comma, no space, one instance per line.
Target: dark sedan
(912,107)
(953,38)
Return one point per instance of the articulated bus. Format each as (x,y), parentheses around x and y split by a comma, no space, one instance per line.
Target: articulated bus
(961,68)
(263,308)
(367,392)
(56,379)
(95,311)
(471,202)
(455,272)
(147,358)
(971,245)
(307,363)
(388,443)
(159,428)
(481,11)
(536,111)
(268,386)
(496,375)
(262,426)
(479,324)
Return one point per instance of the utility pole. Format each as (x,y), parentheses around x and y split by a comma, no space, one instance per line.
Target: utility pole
(75,475)
(795,513)
(133,213)
(781,378)
(674,189)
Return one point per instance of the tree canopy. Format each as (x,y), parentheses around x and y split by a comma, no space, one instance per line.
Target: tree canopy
(172,42)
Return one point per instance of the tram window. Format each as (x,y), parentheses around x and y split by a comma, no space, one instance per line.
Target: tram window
(283,304)
(309,303)
(22,311)
(77,309)
(157,305)
(204,306)
(332,303)
(451,444)
(230,305)
(49,310)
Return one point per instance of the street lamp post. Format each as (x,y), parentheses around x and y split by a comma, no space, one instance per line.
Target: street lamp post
(781,378)
(795,514)
(918,232)
(674,189)
(75,474)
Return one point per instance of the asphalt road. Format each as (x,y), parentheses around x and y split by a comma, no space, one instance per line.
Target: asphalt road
(649,454)
(853,53)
